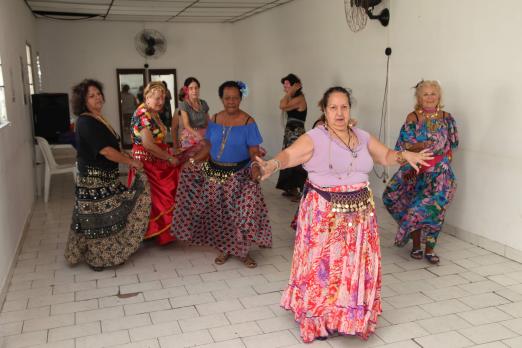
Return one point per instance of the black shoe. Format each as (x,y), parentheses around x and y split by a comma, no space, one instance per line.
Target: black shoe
(96,268)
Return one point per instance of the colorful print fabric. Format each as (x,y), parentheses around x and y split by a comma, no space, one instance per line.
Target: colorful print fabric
(145,119)
(335,279)
(419,201)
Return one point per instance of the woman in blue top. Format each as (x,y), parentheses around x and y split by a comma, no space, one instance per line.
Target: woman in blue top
(220,203)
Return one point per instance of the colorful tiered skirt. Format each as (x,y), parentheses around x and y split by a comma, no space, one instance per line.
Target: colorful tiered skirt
(335,280)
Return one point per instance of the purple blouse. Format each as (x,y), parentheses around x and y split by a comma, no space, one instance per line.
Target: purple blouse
(347,168)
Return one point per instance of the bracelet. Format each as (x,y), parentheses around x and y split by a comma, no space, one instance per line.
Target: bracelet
(278,164)
(170,159)
(399,157)
(252,164)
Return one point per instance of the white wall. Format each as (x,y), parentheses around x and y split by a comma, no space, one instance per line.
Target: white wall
(72,51)
(16,143)
(471,46)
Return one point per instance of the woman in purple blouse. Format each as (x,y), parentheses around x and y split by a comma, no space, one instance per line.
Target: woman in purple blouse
(335,280)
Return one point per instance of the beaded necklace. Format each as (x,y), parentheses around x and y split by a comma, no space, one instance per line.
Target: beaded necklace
(353,152)
(431,118)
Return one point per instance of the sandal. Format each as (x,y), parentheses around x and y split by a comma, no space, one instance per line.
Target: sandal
(249,262)
(221,259)
(432,258)
(416,254)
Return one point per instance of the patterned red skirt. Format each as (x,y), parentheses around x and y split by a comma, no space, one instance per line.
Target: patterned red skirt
(225,212)
(335,279)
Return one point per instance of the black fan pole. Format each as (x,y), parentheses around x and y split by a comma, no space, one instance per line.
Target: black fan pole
(383,17)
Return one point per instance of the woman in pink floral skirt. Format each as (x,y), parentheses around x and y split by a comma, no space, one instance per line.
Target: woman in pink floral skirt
(335,280)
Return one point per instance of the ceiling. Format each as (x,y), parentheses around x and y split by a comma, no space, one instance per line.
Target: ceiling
(172,11)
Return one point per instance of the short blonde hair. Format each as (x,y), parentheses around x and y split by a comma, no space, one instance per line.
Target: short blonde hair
(418,92)
(154,86)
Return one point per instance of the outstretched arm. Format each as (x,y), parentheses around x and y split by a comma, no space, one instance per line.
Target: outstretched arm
(298,153)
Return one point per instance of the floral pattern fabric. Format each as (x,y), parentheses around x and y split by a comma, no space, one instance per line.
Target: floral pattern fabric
(145,119)
(418,201)
(335,279)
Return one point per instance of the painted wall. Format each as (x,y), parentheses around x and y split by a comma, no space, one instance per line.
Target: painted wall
(313,41)
(95,49)
(470,46)
(16,144)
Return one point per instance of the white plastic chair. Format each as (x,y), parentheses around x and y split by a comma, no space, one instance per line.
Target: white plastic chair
(51,167)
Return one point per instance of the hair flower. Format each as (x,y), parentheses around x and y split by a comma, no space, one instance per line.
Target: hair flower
(243,87)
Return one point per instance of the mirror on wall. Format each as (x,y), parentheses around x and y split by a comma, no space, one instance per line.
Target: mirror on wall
(130,95)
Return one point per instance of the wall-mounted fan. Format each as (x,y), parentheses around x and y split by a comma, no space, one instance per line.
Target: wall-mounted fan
(358,12)
(150,43)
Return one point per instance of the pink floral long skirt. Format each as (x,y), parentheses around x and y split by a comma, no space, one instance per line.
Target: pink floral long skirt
(335,280)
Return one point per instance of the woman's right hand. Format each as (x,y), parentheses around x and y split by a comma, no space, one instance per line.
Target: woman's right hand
(294,88)
(136,164)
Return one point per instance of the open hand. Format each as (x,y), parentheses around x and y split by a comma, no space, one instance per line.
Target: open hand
(267,168)
(416,159)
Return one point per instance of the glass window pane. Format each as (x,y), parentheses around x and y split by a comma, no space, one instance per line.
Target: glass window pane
(1,77)
(31,89)
(28,53)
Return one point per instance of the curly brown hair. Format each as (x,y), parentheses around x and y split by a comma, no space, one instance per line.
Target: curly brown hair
(79,95)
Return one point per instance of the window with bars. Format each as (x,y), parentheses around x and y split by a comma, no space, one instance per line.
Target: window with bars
(3,113)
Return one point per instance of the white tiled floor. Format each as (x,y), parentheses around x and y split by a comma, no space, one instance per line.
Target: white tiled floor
(176,296)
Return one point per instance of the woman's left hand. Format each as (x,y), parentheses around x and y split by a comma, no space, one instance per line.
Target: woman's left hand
(418,159)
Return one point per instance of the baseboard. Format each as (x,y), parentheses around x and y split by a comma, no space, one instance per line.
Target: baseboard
(485,243)
(12,265)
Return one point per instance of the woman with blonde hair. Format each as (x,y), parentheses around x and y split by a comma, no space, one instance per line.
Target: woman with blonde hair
(159,164)
(418,201)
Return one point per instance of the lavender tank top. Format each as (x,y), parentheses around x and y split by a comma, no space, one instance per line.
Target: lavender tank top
(346,169)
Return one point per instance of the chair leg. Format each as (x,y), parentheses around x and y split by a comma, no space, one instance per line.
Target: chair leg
(47,184)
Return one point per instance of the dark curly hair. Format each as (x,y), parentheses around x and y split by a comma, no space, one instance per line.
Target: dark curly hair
(229,84)
(293,79)
(79,95)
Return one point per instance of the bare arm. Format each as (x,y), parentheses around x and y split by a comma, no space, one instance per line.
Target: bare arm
(288,103)
(148,143)
(186,124)
(116,156)
(388,157)
(298,153)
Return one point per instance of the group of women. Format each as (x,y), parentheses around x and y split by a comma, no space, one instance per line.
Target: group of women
(206,191)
